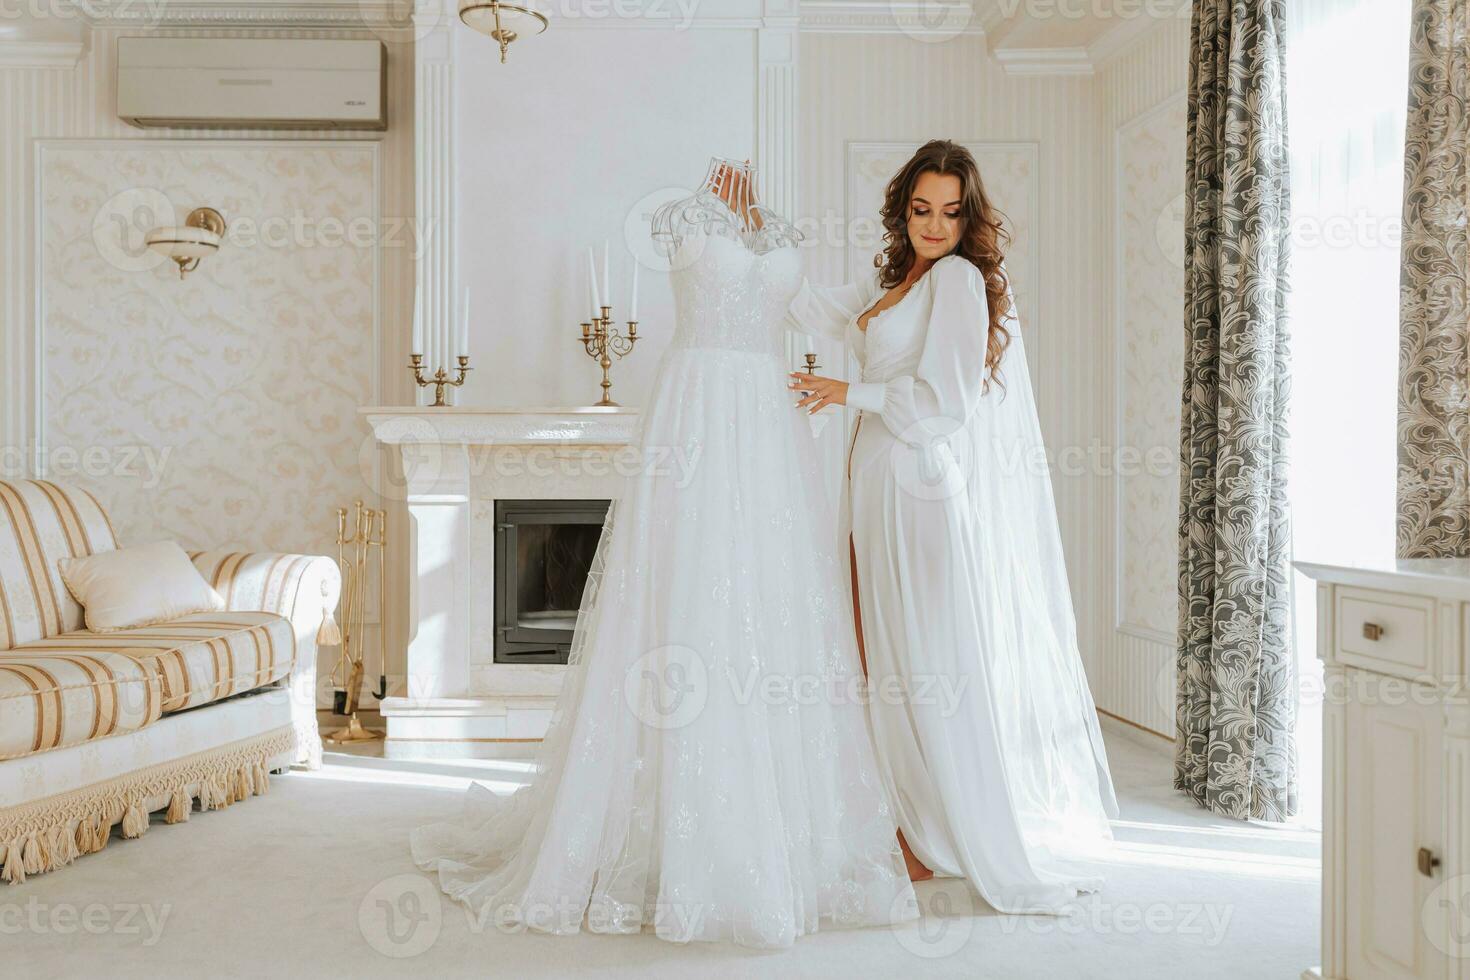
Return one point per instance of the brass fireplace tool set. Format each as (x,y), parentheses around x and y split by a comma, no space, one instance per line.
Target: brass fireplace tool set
(355,553)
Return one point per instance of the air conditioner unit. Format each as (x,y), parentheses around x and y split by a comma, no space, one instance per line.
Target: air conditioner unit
(252,83)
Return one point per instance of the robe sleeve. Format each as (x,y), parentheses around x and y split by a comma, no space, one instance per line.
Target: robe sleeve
(946,386)
(825,311)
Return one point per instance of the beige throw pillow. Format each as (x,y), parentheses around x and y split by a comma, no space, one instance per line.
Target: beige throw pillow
(138,586)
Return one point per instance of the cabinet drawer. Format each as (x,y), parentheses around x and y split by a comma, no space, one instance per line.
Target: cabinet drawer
(1390,632)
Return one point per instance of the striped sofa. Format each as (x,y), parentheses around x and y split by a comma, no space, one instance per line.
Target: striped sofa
(102,729)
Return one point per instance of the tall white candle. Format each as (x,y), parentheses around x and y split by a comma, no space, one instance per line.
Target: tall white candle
(464,327)
(606,288)
(592,285)
(418,323)
(633,300)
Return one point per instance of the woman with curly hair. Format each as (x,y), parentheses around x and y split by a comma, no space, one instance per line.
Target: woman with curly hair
(986,733)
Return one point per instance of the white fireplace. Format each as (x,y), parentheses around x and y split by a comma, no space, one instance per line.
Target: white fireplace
(457,464)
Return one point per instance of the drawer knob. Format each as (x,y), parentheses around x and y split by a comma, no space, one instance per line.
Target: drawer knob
(1427,862)
(1372,631)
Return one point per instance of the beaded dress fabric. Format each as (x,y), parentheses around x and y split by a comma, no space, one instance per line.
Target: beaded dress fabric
(708,773)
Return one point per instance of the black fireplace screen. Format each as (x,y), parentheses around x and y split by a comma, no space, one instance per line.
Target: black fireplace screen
(543,549)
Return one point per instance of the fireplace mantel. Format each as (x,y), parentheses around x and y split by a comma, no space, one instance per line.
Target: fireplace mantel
(456,462)
(589,425)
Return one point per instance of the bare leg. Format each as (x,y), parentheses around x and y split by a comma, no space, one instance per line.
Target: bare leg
(917,870)
(857,611)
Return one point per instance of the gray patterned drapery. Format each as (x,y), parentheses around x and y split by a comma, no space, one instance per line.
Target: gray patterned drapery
(1434,309)
(1235,753)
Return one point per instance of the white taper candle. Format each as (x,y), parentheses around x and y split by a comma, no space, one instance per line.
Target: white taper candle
(633,291)
(592,285)
(606,288)
(464,327)
(418,323)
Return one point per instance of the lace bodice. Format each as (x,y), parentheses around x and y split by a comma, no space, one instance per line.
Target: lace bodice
(728,297)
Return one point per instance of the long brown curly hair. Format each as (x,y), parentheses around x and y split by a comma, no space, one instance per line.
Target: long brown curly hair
(982,237)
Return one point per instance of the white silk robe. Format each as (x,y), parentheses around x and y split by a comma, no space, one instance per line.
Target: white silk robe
(985,729)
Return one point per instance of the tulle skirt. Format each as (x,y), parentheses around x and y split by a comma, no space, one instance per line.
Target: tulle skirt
(709,771)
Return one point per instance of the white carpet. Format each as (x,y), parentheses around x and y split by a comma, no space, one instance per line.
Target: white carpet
(315,880)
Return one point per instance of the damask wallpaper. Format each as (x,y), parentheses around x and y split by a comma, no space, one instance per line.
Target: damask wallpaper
(219,409)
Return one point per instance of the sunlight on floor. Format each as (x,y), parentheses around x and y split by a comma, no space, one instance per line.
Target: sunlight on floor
(1283,867)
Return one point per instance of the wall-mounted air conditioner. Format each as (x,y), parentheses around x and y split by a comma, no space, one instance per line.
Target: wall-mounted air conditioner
(252,83)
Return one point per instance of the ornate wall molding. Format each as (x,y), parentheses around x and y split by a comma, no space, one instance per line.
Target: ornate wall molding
(22,53)
(436,194)
(376,14)
(1044,61)
(918,19)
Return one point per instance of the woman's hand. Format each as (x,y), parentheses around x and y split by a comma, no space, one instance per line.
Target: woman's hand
(821,392)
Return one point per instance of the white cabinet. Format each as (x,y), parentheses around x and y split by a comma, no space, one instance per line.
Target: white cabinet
(1396,753)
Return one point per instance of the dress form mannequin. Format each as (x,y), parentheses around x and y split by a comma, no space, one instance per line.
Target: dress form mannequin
(744,218)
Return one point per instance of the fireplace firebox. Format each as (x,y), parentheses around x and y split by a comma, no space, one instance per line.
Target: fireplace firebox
(543,551)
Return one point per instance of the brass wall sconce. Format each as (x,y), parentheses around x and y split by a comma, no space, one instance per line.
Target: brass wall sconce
(505,22)
(199,235)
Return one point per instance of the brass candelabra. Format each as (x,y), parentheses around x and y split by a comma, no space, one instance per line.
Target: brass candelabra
(369,533)
(811,363)
(599,340)
(440,377)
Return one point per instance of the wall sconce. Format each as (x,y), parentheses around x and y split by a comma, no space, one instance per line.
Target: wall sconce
(199,235)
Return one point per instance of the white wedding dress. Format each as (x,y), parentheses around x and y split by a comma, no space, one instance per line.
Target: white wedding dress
(709,771)
(985,730)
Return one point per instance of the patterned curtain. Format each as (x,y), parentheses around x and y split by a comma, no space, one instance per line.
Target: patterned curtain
(1434,310)
(1236,705)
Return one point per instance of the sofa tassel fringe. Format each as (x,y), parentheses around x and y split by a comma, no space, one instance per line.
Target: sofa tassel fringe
(179,806)
(135,820)
(73,829)
(244,784)
(91,836)
(34,858)
(63,847)
(212,794)
(15,868)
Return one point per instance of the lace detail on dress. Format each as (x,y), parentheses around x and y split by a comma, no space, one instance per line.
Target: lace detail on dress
(708,771)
